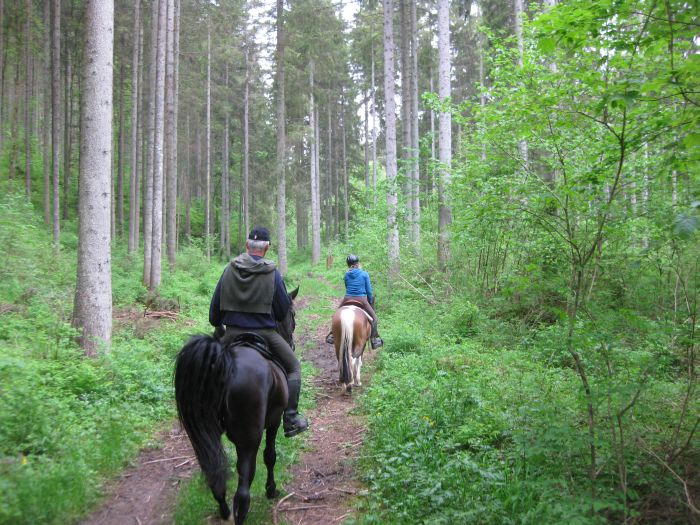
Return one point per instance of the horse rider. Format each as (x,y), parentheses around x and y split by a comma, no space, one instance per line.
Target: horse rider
(358,289)
(249,297)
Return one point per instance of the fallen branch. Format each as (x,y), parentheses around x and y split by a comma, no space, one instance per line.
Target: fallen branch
(305,507)
(172,316)
(345,490)
(275,510)
(343,516)
(167,459)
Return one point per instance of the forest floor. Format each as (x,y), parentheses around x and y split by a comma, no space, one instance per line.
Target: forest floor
(323,482)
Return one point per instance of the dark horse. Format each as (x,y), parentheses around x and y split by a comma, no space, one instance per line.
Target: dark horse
(232,389)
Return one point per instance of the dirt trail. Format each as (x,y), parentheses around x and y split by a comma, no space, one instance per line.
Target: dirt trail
(145,493)
(323,484)
(324,480)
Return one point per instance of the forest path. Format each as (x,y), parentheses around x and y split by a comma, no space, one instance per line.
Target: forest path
(324,480)
(144,494)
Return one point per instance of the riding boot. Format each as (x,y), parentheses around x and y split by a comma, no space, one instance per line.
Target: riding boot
(376,340)
(294,423)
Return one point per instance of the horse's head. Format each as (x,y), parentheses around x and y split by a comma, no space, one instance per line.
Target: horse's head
(286,326)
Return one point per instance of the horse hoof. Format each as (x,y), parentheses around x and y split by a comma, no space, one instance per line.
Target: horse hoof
(272,493)
(348,390)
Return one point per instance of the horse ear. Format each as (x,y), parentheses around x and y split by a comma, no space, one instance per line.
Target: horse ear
(294,293)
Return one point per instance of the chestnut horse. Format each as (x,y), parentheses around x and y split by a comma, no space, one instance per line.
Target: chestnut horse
(351,327)
(234,390)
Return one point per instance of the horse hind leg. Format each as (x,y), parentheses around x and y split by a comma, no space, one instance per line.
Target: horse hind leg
(246,473)
(218,490)
(270,456)
(357,365)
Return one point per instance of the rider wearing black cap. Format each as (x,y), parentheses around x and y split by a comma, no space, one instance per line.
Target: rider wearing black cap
(250,297)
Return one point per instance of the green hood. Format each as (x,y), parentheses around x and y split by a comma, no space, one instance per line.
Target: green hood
(248,285)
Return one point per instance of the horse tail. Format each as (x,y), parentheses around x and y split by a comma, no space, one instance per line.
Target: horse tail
(203,369)
(347,322)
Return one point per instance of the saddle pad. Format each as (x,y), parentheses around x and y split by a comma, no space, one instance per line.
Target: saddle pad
(354,307)
(256,342)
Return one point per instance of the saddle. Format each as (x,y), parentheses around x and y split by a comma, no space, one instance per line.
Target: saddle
(358,305)
(256,342)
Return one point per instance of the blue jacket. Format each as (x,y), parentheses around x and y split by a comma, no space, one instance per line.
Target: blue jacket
(357,284)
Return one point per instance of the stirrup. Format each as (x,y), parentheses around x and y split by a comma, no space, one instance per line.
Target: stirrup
(294,425)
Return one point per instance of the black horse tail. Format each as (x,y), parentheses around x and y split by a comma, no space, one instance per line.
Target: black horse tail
(203,370)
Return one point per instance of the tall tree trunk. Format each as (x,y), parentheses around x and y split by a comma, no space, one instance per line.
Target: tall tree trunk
(134,174)
(332,206)
(56,114)
(122,137)
(374,135)
(93,295)
(207,198)
(226,183)
(365,123)
(158,151)
(27,100)
(390,105)
(176,114)
(47,110)
(170,139)
(245,194)
(281,143)
(522,144)
(445,131)
(415,166)
(148,177)
(346,206)
(67,132)
(2,72)
(315,189)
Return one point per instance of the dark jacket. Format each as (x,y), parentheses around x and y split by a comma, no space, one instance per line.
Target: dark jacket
(250,294)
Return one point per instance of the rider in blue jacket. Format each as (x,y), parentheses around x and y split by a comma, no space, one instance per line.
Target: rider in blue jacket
(358,289)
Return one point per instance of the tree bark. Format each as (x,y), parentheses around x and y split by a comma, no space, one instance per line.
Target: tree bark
(281,143)
(391,197)
(165,13)
(315,189)
(170,139)
(225,183)
(207,198)
(374,135)
(415,152)
(134,173)
(27,100)
(2,71)
(67,132)
(56,115)
(93,296)
(148,178)
(246,150)
(122,138)
(47,112)
(445,132)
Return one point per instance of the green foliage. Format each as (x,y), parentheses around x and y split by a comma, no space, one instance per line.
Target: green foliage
(68,423)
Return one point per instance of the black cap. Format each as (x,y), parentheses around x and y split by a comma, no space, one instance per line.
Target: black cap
(259,234)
